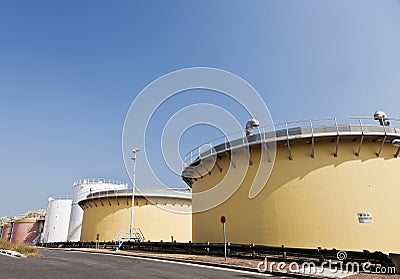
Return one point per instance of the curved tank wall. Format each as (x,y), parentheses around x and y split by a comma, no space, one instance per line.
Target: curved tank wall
(107,216)
(346,202)
(25,230)
(57,220)
(5,234)
(82,188)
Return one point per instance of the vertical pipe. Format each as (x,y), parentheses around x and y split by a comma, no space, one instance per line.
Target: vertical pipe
(135,150)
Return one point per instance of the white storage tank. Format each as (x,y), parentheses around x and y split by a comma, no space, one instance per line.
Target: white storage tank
(57,220)
(82,188)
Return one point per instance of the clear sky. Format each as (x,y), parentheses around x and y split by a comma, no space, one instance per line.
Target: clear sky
(69,71)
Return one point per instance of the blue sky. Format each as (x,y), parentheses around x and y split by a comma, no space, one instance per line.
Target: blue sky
(69,71)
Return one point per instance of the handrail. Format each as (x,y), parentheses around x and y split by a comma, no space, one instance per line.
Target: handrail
(61,197)
(284,127)
(165,192)
(97,181)
(130,234)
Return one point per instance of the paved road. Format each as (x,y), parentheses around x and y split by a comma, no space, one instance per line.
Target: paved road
(67,264)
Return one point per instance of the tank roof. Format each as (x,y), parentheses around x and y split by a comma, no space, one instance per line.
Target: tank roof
(297,130)
(176,193)
(61,197)
(31,215)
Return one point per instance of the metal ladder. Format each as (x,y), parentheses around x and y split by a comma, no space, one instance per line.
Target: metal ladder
(128,234)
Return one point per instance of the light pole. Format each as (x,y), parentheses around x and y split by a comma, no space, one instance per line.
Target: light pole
(223,221)
(134,151)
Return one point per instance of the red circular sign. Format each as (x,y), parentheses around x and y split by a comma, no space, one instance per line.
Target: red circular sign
(223,219)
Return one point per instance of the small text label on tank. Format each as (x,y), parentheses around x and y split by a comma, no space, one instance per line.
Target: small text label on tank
(365,218)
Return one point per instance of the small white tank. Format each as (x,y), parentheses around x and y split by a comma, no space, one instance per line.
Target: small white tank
(82,188)
(57,220)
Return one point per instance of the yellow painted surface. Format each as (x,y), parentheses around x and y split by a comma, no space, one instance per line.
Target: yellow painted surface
(311,202)
(110,216)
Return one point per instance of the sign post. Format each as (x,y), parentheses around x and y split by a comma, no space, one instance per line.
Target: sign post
(97,241)
(223,221)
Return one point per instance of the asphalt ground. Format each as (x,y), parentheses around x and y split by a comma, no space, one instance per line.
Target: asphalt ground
(58,264)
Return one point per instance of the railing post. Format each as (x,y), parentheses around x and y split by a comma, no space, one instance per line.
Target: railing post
(362,137)
(283,253)
(264,135)
(253,251)
(320,255)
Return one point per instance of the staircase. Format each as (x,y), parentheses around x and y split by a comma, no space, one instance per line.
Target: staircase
(128,234)
(73,231)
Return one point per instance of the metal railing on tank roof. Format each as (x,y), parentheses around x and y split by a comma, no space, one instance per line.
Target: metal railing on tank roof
(98,181)
(165,192)
(62,197)
(362,125)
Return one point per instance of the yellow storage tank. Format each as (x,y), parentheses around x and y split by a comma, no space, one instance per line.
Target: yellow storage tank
(332,185)
(159,215)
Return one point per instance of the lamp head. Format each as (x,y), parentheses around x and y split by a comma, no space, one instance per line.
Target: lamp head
(396,142)
(382,118)
(250,125)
